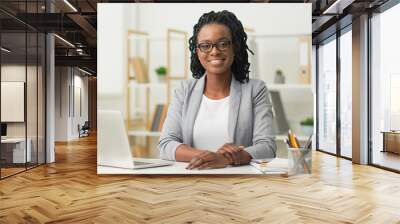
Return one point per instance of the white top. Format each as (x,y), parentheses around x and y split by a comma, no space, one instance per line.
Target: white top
(210,129)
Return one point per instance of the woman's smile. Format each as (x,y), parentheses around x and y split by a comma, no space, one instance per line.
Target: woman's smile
(216,62)
(217,55)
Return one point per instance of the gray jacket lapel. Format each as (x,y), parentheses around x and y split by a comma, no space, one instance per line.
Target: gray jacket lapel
(193,108)
(234,105)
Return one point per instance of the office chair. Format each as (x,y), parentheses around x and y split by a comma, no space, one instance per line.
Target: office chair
(84,130)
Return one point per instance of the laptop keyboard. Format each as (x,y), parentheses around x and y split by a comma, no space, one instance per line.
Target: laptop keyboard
(137,163)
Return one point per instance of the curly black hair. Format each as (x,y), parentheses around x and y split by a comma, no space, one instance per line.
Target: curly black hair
(240,65)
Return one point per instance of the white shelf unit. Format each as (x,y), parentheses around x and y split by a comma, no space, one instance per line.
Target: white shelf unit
(133,84)
(144,88)
(283,137)
(289,87)
(150,86)
(144,133)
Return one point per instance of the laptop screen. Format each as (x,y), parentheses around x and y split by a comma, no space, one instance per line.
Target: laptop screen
(280,124)
(3,129)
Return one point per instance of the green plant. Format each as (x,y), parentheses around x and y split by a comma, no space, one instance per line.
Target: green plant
(279,72)
(161,71)
(309,121)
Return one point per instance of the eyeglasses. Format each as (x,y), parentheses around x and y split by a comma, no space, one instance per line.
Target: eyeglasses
(220,45)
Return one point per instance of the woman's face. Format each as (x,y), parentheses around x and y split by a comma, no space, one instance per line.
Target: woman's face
(215,48)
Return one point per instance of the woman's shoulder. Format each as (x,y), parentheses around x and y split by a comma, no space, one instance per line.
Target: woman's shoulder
(187,84)
(256,82)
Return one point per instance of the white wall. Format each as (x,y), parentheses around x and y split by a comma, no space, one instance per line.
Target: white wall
(80,83)
(264,18)
(61,103)
(113,22)
(67,117)
(17,73)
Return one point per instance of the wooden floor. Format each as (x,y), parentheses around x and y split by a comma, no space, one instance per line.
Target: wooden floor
(386,159)
(70,191)
(5,172)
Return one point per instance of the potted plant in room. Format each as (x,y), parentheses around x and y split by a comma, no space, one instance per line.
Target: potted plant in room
(307,126)
(279,77)
(161,73)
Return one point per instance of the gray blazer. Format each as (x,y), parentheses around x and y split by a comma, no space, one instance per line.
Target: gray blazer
(249,121)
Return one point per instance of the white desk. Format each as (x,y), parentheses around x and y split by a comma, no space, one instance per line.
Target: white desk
(179,168)
(19,149)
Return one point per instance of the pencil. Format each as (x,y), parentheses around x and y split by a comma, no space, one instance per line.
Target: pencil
(292,140)
(296,141)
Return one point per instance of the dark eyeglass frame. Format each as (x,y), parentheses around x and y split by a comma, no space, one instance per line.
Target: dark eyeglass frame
(218,45)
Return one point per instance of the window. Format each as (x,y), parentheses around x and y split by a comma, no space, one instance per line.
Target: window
(22,66)
(327,97)
(346,94)
(385,89)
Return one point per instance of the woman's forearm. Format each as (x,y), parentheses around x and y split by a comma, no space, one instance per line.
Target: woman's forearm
(185,153)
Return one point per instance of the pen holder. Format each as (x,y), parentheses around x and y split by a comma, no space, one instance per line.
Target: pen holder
(299,161)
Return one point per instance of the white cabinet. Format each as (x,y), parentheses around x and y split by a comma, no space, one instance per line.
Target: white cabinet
(17,146)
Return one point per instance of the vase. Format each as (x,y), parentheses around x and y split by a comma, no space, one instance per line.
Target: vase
(161,78)
(279,79)
(307,130)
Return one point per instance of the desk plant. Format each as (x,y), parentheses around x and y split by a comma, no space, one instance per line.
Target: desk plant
(307,126)
(161,73)
(279,77)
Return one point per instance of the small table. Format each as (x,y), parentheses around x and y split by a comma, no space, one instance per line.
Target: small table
(391,141)
(18,150)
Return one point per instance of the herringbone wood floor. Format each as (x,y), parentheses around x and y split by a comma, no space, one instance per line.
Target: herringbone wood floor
(70,191)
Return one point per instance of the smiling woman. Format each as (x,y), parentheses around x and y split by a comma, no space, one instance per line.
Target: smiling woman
(216,58)
(221,117)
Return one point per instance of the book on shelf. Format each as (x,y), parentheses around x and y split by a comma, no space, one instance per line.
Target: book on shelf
(304,75)
(163,116)
(156,117)
(159,115)
(138,66)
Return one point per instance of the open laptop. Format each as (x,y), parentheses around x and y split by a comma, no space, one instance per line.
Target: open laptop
(113,146)
(280,124)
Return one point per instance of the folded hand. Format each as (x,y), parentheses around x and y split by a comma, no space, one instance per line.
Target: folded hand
(231,152)
(208,159)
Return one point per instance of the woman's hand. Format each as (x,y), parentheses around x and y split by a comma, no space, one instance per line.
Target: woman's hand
(208,159)
(231,152)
